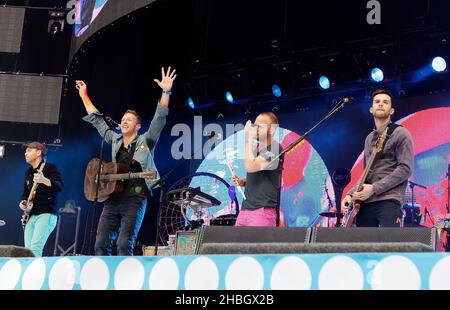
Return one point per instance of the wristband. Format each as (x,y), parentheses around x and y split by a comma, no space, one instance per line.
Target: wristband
(168,92)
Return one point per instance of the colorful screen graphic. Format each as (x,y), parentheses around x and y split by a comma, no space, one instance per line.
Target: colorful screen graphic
(303,182)
(86,12)
(430,130)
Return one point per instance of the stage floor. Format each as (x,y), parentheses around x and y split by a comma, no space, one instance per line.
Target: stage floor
(229,272)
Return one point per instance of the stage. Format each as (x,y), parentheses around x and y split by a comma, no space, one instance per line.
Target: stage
(362,271)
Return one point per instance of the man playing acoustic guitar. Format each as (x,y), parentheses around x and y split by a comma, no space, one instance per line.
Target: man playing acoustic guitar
(123,214)
(39,206)
(381,195)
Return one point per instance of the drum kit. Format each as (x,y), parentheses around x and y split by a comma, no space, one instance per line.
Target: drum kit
(340,178)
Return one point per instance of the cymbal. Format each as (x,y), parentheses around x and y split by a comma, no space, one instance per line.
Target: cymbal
(331,214)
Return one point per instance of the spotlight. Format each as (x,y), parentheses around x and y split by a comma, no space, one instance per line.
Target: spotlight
(377,75)
(324,82)
(191,103)
(236,85)
(2,151)
(276,90)
(438,64)
(56,22)
(229,97)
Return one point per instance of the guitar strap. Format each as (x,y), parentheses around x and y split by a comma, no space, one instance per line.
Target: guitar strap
(391,128)
(133,150)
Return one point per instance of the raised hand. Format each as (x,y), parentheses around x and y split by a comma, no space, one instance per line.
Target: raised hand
(81,87)
(167,79)
(249,132)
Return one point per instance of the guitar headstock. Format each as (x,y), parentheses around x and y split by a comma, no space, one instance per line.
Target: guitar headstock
(148,174)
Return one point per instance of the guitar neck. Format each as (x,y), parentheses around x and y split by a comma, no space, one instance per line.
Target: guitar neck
(35,184)
(122,176)
(366,172)
(33,189)
(378,148)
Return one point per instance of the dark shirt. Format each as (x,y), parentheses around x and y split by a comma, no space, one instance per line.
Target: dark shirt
(133,188)
(45,200)
(262,188)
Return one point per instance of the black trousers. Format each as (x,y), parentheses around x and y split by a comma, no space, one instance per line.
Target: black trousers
(119,220)
(384,213)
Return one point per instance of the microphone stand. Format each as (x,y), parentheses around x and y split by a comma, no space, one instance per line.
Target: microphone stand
(412,185)
(294,144)
(162,184)
(330,205)
(87,248)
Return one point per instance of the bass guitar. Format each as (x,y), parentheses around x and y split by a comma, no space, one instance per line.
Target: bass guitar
(355,206)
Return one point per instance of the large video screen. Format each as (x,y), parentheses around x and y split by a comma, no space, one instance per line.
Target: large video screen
(11,27)
(30,98)
(93,15)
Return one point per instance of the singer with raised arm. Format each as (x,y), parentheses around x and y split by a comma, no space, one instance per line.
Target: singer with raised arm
(123,213)
(387,169)
(263,180)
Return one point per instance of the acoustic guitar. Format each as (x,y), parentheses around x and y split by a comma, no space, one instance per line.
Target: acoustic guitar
(112,176)
(355,206)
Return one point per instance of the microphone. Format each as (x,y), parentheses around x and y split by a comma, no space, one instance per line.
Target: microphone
(412,184)
(212,135)
(112,122)
(2,223)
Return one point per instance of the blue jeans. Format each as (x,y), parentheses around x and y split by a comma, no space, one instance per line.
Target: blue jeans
(119,220)
(37,231)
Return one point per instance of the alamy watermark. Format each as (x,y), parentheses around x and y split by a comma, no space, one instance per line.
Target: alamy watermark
(374,15)
(227,141)
(71,15)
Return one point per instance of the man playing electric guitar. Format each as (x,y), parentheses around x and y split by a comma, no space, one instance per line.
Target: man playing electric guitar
(381,195)
(122,215)
(39,206)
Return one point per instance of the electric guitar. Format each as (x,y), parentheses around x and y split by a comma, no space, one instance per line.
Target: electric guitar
(30,200)
(112,176)
(355,206)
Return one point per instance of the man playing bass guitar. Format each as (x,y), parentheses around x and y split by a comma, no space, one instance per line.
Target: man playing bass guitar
(381,195)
